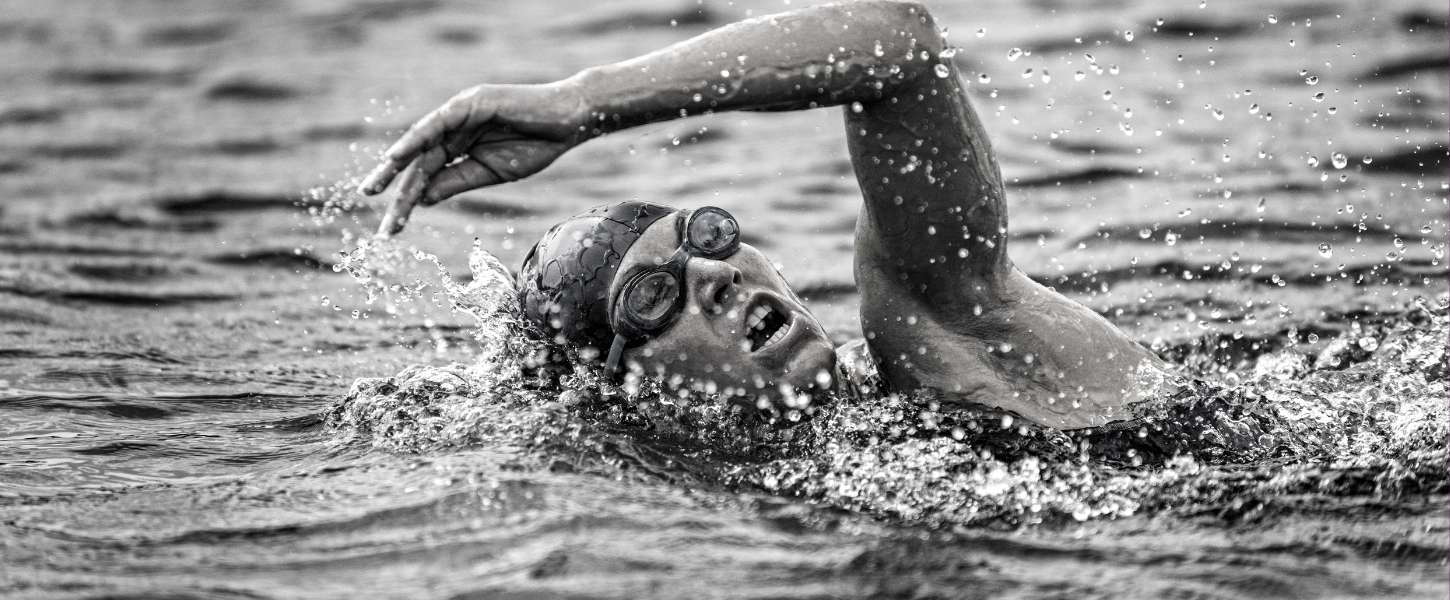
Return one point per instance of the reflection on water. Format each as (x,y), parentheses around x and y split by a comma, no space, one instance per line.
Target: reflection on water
(211,385)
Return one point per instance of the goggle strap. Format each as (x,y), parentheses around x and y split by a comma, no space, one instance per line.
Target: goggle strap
(615,350)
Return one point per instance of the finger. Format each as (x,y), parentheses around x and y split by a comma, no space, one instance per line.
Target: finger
(410,189)
(378,179)
(427,132)
(456,179)
(397,212)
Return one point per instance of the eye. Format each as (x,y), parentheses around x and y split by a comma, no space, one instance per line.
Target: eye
(714,232)
(651,298)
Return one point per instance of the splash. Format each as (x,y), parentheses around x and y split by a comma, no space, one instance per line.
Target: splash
(1363,417)
(1367,421)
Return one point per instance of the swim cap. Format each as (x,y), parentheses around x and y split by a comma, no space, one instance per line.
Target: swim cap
(565,279)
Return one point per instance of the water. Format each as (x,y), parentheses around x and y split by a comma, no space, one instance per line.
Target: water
(212,386)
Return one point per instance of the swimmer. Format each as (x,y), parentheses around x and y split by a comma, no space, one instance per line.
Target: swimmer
(676,293)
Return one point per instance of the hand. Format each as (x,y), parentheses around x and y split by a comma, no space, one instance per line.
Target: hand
(485,135)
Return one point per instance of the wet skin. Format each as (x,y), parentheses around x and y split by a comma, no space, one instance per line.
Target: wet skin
(942,306)
(707,345)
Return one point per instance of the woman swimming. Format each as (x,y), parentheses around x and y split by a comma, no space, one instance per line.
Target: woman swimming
(675,292)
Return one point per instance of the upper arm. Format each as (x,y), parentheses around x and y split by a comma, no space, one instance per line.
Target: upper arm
(935,219)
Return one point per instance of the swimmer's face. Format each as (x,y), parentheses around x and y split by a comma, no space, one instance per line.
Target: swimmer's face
(741,330)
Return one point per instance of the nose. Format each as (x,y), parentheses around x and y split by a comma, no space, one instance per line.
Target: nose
(712,283)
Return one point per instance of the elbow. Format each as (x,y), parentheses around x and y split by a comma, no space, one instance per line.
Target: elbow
(912,19)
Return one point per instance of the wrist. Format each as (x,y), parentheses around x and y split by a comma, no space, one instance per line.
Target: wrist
(581,90)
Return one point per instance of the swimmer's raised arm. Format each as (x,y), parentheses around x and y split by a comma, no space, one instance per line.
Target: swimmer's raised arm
(932,189)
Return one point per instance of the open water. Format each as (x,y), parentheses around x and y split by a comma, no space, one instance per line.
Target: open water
(212,385)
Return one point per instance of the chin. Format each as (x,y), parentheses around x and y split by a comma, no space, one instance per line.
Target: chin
(814,357)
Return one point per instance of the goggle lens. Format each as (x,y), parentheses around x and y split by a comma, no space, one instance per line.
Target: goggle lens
(650,299)
(713,232)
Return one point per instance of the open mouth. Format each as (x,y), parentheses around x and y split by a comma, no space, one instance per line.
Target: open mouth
(766,325)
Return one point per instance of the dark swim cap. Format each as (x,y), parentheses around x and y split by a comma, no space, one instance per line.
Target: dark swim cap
(565,279)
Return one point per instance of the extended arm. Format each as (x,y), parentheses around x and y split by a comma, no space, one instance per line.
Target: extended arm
(935,218)
(934,221)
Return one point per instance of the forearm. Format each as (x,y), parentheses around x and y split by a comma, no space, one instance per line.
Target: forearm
(819,56)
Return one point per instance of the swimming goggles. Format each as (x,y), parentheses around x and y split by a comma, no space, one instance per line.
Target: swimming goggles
(652,299)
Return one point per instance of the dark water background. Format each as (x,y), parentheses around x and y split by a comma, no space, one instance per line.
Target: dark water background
(177,350)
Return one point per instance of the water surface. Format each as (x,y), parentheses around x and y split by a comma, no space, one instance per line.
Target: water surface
(195,403)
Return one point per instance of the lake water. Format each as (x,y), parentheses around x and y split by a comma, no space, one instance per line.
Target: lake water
(212,386)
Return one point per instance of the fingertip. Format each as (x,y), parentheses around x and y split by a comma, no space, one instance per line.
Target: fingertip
(377,180)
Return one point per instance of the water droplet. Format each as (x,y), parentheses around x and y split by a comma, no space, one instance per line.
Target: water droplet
(1273,19)
(1027,73)
(1339,160)
(1319,97)
(1326,250)
(1263,204)
(1367,159)
(1079,76)
(984,78)
(1107,94)
(1128,35)
(1254,110)
(982,32)
(942,71)
(857,107)
(1312,80)
(1014,54)
(1217,114)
